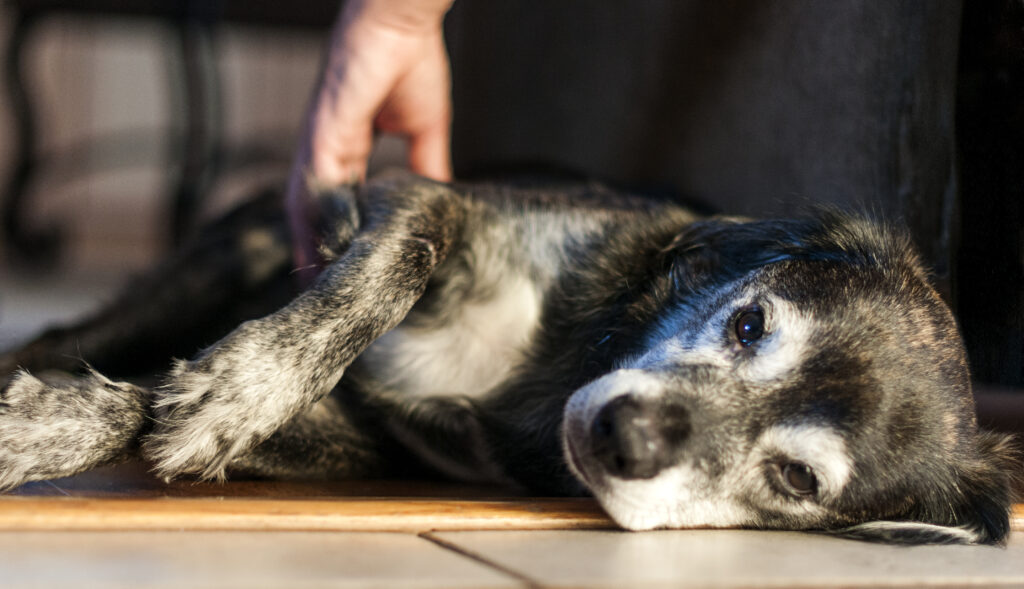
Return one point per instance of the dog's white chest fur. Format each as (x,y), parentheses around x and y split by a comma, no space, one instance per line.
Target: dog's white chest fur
(470,354)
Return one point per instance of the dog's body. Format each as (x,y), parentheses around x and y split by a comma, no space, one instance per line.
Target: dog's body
(687,372)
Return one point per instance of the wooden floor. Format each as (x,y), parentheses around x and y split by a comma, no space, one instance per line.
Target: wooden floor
(120,527)
(127,498)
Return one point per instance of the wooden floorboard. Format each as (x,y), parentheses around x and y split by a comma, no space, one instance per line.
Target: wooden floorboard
(127,498)
(346,514)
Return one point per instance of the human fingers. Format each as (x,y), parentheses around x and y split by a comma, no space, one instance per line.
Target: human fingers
(340,139)
(419,109)
(430,152)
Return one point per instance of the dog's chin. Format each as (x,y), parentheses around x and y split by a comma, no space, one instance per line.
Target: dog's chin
(667,503)
(629,518)
(625,514)
(575,441)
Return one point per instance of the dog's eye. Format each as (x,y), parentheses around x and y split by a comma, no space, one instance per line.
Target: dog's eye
(799,478)
(749,325)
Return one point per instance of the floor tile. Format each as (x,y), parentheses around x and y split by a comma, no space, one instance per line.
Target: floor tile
(243,560)
(710,558)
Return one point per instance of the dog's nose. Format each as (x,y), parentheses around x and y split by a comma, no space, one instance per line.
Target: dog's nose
(636,438)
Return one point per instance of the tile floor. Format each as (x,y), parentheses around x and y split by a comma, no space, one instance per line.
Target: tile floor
(490,559)
(425,558)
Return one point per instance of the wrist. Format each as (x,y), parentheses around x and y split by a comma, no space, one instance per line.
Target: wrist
(403,16)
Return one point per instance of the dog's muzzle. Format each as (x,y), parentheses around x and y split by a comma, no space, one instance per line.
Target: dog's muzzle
(635,438)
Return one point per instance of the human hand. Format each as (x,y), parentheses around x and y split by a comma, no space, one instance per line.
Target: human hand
(387,70)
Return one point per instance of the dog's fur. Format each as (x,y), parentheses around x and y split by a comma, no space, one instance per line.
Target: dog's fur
(793,374)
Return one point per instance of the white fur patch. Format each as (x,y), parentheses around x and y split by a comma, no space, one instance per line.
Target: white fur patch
(784,348)
(468,356)
(680,497)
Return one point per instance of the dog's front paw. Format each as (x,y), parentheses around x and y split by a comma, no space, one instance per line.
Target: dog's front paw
(65,425)
(17,459)
(214,409)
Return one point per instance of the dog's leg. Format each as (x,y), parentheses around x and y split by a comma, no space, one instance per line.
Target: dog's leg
(241,390)
(234,269)
(321,443)
(331,441)
(58,426)
(446,434)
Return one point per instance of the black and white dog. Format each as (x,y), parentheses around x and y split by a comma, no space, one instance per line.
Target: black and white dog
(790,374)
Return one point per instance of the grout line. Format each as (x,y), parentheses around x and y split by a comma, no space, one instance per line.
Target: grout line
(62,491)
(430,537)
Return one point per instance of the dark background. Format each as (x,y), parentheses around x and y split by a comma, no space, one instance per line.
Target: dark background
(990,130)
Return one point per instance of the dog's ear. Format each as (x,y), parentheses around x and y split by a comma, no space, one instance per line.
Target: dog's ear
(975,510)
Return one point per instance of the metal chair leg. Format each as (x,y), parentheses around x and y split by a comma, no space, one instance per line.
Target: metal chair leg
(35,246)
(201,146)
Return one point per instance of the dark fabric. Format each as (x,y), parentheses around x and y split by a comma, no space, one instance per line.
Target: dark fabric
(751,107)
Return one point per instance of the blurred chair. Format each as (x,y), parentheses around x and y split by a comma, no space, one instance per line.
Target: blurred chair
(195,23)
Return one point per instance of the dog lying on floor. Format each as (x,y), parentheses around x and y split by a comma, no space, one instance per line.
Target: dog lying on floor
(789,374)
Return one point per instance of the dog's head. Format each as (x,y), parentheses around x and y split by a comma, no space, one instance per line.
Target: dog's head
(803,375)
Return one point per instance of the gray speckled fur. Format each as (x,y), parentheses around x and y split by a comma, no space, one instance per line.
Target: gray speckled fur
(55,426)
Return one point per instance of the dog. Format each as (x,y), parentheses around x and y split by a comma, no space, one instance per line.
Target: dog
(686,371)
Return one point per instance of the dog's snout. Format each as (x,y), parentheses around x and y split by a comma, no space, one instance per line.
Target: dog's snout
(635,438)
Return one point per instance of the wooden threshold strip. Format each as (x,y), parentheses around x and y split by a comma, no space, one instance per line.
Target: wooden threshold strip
(347,514)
